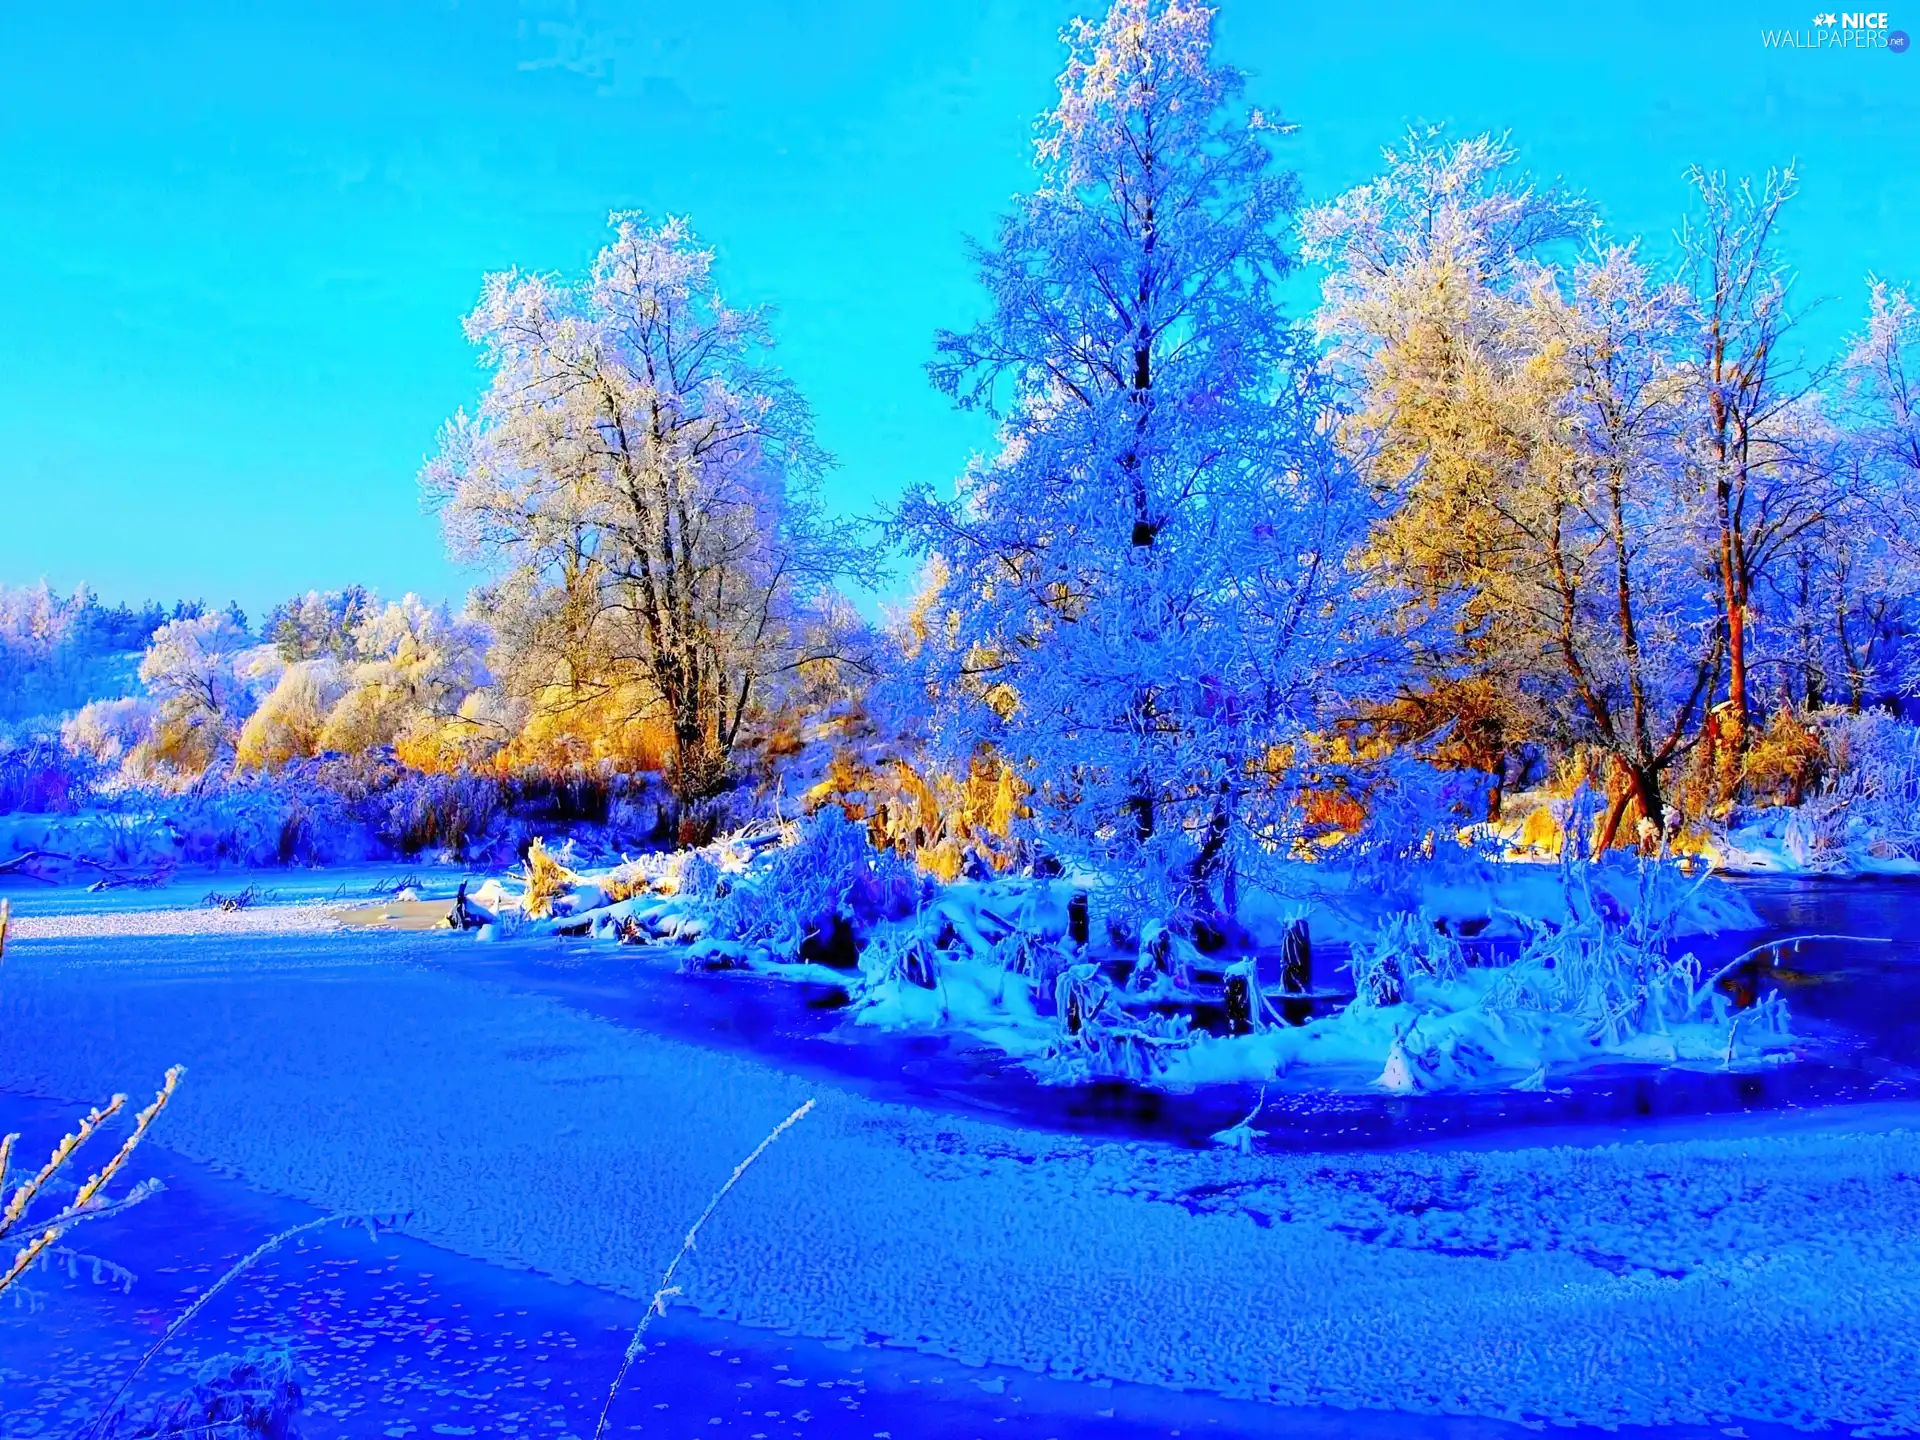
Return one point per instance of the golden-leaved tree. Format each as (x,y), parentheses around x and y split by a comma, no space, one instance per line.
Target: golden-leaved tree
(1526,421)
(642,481)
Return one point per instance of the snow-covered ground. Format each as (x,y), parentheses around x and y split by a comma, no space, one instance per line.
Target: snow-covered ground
(187,920)
(1808,841)
(1595,966)
(1768,1273)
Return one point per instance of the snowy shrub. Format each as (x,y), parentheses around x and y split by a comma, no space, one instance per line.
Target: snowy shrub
(547,880)
(1099,1039)
(696,873)
(289,722)
(107,732)
(1613,970)
(455,813)
(1872,799)
(413,667)
(1408,949)
(829,872)
(1862,814)
(41,777)
(1616,980)
(1786,758)
(281,819)
(1413,816)
(905,954)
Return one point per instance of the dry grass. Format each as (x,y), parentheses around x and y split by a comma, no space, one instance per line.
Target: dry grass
(667,1288)
(547,880)
(935,819)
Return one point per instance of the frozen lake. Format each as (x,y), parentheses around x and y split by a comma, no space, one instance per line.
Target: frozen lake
(944,1248)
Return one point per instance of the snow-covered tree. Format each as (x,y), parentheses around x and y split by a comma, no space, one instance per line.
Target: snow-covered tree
(643,479)
(293,715)
(1750,390)
(1527,419)
(321,622)
(1633,635)
(1853,583)
(408,671)
(108,732)
(413,666)
(201,701)
(1883,366)
(1428,266)
(1145,587)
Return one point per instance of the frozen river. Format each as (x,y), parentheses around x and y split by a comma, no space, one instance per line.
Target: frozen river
(942,1249)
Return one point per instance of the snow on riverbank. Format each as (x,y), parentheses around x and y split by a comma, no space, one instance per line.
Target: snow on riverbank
(1754,1277)
(1809,841)
(182,921)
(1059,973)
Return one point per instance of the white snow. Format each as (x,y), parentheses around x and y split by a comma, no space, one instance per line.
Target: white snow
(994,960)
(197,920)
(1755,1276)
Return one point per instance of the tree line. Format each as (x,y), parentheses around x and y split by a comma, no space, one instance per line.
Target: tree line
(1515,493)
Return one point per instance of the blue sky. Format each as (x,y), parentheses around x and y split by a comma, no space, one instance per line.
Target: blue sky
(237,240)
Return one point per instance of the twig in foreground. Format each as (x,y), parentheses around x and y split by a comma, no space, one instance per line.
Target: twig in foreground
(200,1303)
(90,1201)
(667,1287)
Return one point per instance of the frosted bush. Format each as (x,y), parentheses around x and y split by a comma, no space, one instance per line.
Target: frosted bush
(253,1394)
(1608,970)
(1861,814)
(455,813)
(107,732)
(1098,1039)
(1407,950)
(1415,812)
(1870,799)
(414,666)
(267,820)
(696,873)
(828,872)
(288,724)
(39,776)
(905,954)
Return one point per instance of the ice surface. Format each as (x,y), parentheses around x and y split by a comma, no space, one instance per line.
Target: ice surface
(1761,1275)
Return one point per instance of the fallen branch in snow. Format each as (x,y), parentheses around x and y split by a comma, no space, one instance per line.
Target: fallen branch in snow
(668,1289)
(18,865)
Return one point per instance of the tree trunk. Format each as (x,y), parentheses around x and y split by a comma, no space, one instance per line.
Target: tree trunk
(1642,787)
(1734,602)
(1140,806)
(1214,844)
